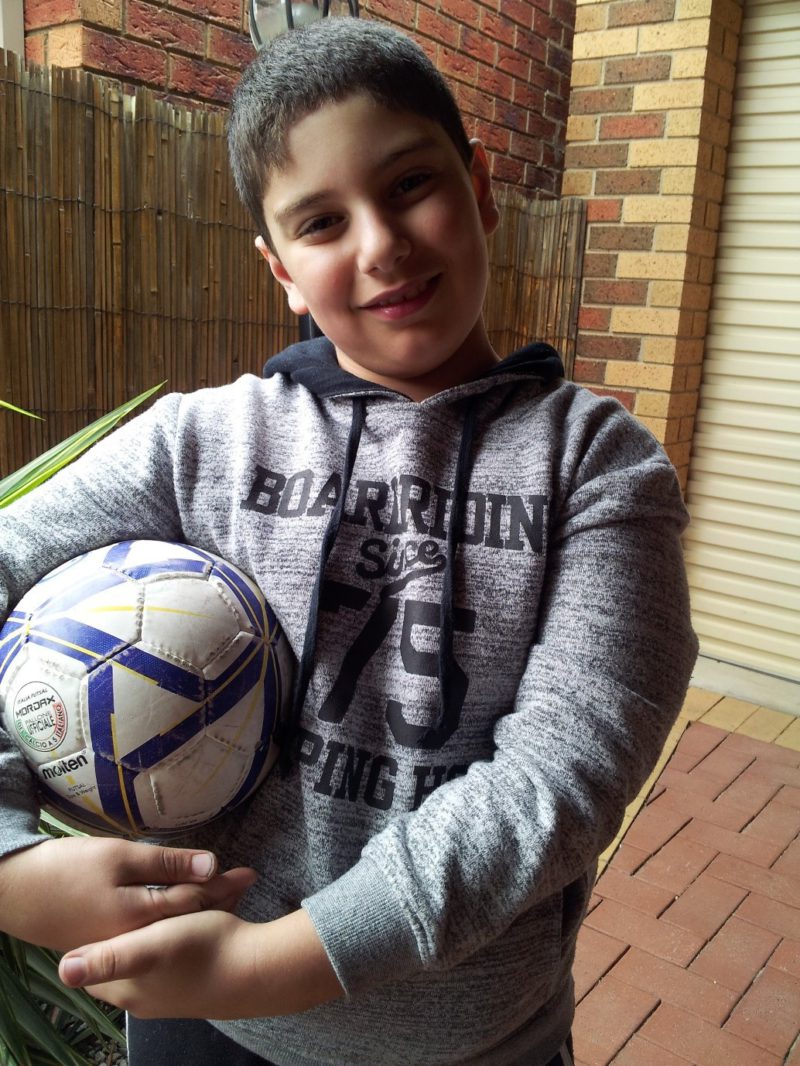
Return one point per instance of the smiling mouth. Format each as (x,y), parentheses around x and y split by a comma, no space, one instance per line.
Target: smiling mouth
(409,295)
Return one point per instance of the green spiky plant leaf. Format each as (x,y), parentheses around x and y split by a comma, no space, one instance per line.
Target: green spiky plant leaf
(19,410)
(43,1023)
(39,470)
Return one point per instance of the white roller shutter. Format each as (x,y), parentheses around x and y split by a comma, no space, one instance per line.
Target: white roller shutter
(743,548)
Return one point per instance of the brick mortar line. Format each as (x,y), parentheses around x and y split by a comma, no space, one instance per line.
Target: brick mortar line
(605,974)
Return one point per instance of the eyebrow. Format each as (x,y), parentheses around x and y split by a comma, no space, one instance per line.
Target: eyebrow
(303,203)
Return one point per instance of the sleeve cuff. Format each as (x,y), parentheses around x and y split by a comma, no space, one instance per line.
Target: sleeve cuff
(362,928)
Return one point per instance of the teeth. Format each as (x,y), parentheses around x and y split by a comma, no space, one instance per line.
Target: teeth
(407,294)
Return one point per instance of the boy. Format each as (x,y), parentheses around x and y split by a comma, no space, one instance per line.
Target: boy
(478,566)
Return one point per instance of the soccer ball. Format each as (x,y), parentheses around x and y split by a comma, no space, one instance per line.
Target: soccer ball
(142,683)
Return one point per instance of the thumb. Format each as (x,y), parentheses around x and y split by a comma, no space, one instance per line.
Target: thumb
(126,956)
(93,964)
(153,864)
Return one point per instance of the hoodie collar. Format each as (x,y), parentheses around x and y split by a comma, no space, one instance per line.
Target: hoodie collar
(313,364)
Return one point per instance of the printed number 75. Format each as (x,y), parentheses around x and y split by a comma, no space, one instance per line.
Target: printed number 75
(337,595)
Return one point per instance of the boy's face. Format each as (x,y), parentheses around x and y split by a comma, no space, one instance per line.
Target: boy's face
(379,231)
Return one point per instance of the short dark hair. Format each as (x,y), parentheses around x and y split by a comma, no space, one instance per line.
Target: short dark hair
(303,69)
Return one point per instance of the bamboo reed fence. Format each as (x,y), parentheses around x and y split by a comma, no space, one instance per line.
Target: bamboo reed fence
(126,258)
(536,260)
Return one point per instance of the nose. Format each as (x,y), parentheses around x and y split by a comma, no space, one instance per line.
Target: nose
(382,242)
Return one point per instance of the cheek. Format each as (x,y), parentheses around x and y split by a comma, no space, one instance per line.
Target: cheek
(456,230)
(319,282)
(443,226)
(326,278)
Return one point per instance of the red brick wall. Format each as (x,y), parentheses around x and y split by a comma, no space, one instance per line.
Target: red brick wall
(187,52)
(509,63)
(507,60)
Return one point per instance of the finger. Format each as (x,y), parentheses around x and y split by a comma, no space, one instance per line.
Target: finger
(223,892)
(153,864)
(129,955)
(92,964)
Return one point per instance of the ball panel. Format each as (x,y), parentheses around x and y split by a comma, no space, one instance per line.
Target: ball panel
(197,782)
(187,620)
(151,665)
(134,720)
(257,774)
(116,795)
(244,725)
(74,639)
(58,582)
(244,591)
(71,596)
(242,676)
(115,609)
(138,558)
(12,638)
(41,705)
(279,691)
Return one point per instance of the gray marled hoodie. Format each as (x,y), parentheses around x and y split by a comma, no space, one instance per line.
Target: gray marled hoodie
(497,640)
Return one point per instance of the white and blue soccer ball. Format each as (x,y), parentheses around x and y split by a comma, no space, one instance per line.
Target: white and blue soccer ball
(143,682)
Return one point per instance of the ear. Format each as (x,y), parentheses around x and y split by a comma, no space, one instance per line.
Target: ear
(281,275)
(482,184)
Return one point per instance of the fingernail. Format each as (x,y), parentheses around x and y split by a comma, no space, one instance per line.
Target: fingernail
(202,864)
(73,971)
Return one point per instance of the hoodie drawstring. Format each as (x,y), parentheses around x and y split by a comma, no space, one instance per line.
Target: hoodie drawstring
(447,690)
(287,732)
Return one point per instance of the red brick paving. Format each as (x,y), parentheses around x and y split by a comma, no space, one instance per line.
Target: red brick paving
(595,956)
(768,1012)
(677,865)
(690,955)
(787,957)
(736,954)
(705,906)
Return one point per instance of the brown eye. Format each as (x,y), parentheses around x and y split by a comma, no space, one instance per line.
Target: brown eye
(318,225)
(412,182)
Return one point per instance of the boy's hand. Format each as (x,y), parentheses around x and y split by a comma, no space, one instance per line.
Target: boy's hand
(209,965)
(67,892)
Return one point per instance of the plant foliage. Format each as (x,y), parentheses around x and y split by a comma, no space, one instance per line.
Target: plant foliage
(39,470)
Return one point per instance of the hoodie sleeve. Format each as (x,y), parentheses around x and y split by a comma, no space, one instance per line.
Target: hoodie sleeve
(603,683)
(121,488)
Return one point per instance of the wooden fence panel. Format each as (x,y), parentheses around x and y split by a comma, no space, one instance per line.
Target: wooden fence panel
(127,258)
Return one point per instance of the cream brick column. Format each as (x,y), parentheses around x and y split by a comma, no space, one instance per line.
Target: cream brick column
(652,95)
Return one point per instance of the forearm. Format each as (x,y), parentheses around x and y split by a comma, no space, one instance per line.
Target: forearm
(604,680)
(292,966)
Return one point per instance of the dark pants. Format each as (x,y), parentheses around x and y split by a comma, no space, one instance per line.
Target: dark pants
(185,1042)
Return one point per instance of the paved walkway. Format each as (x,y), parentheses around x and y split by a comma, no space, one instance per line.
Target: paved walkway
(691,951)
